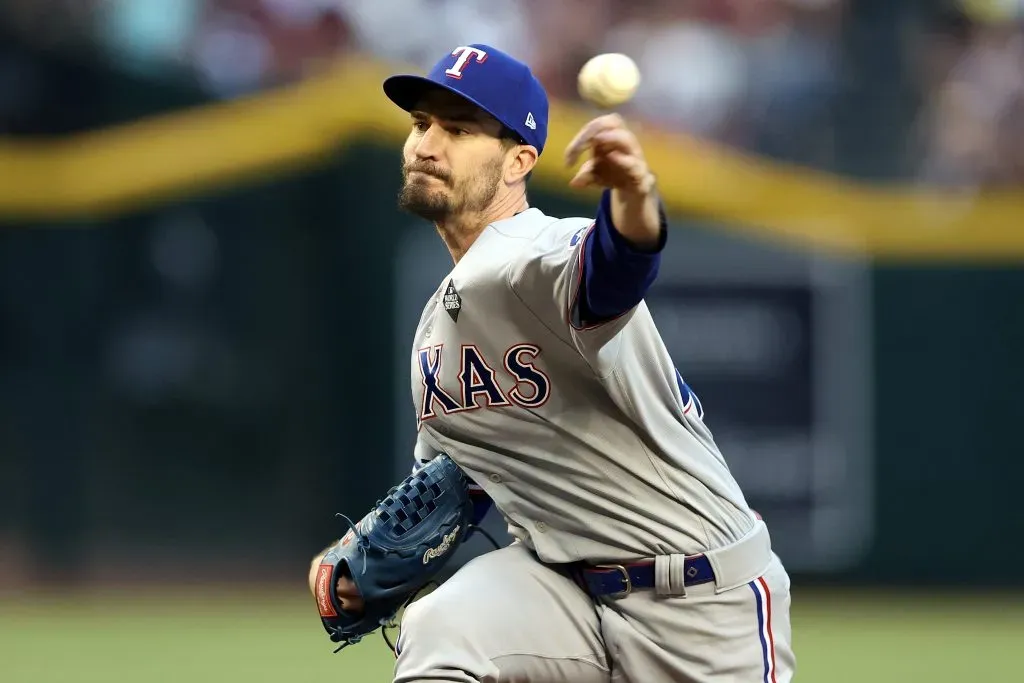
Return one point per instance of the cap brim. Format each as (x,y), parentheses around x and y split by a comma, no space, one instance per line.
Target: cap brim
(406,90)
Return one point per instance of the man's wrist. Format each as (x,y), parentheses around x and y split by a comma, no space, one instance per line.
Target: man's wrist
(644,189)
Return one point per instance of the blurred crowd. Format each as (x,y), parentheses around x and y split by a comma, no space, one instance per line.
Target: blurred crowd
(761,75)
(971,69)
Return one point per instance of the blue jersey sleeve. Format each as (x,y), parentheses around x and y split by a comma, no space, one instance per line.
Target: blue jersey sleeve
(615,274)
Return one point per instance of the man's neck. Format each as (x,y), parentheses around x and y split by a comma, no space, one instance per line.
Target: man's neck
(460,232)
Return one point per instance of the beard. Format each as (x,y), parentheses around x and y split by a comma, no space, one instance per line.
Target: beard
(425,198)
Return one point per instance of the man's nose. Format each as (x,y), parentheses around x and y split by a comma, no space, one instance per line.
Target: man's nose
(430,144)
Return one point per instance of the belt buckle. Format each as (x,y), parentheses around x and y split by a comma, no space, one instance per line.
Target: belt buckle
(625,577)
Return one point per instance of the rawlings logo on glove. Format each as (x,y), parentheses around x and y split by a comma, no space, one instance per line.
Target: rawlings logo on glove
(434,553)
(324,587)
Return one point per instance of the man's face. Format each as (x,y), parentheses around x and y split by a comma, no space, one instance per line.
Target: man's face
(453,160)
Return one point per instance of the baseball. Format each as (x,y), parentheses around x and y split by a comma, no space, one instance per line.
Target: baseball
(608,80)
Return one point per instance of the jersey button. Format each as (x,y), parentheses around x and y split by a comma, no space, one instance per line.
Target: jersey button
(496,478)
(542,527)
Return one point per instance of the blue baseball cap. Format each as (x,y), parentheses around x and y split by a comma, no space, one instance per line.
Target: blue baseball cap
(496,82)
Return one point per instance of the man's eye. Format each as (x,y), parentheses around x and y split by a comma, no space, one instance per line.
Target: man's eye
(421,126)
(459,131)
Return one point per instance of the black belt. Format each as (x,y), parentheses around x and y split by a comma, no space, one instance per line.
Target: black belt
(620,580)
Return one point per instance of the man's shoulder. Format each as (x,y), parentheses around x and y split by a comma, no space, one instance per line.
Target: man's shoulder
(539,234)
(539,267)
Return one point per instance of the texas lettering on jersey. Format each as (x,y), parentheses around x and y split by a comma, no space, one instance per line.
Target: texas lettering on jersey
(479,382)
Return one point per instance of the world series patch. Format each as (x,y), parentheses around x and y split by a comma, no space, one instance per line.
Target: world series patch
(452,301)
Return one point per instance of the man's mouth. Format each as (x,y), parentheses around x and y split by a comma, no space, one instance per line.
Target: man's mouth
(427,174)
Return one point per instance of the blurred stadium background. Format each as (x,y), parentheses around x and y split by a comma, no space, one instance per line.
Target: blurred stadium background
(206,295)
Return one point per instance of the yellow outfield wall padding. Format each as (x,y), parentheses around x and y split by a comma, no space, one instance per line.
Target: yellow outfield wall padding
(127,167)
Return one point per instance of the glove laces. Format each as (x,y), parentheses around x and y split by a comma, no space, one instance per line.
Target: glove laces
(362,541)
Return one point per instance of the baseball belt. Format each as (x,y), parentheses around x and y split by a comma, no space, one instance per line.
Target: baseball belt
(728,567)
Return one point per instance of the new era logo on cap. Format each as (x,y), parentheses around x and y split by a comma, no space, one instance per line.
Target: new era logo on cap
(496,82)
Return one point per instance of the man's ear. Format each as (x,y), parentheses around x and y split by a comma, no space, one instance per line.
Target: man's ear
(522,159)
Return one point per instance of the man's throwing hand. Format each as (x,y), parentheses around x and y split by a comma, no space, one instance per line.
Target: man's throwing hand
(617,160)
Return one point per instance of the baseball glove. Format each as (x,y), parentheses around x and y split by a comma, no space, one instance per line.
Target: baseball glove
(399,547)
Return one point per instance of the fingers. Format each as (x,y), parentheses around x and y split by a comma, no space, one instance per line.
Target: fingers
(628,165)
(586,176)
(352,605)
(616,159)
(346,587)
(613,169)
(618,139)
(586,134)
(348,595)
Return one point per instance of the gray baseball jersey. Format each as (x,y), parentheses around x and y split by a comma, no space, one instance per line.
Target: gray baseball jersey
(587,439)
(594,449)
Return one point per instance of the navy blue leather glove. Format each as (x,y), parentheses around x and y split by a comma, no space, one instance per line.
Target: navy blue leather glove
(395,550)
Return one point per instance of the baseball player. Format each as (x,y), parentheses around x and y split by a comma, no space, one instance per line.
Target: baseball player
(538,369)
